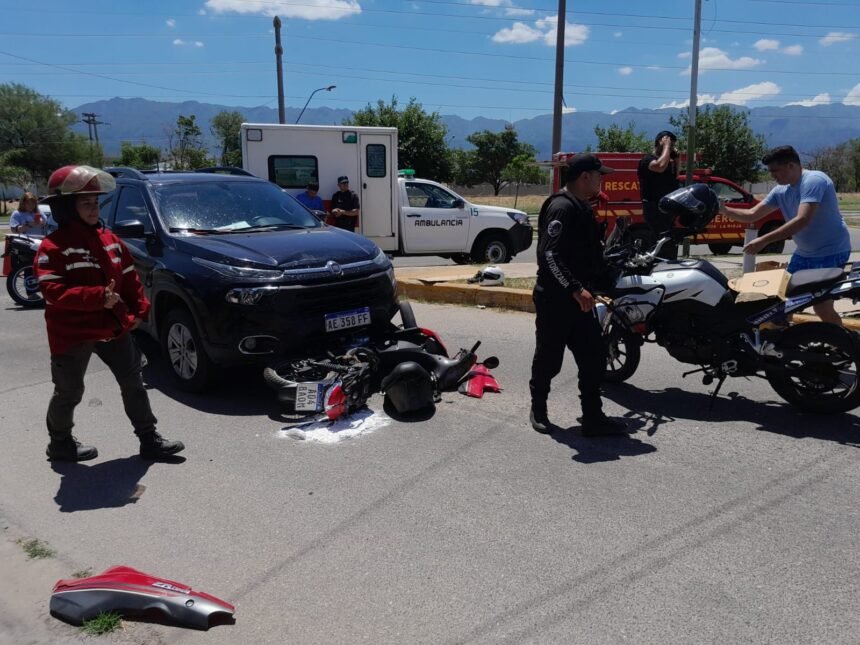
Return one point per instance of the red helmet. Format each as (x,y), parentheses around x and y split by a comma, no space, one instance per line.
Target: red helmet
(79,180)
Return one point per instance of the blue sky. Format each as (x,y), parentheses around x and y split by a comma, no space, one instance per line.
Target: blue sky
(492,58)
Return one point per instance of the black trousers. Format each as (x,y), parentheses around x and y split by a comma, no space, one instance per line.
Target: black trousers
(67,372)
(659,224)
(560,323)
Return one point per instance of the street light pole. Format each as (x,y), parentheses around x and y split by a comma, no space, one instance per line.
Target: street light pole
(327,89)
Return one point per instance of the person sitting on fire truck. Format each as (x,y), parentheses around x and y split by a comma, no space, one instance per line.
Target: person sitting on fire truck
(658,176)
(807,199)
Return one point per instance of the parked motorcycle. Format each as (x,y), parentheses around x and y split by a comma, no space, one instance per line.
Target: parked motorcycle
(21,283)
(687,307)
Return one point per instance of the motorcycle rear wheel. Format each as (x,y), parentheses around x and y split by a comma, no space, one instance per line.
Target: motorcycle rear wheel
(623,353)
(829,388)
(16,285)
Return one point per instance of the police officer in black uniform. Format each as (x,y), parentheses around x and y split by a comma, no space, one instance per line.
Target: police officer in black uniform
(345,205)
(658,176)
(570,263)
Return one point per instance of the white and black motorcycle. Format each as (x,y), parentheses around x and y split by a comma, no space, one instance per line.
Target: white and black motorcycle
(687,307)
(21,282)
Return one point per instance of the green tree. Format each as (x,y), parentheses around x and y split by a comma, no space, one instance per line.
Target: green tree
(142,156)
(724,139)
(11,174)
(40,126)
(421,136)
(523,170)
(185,144)
(491,156)
(615,139)
(225,127)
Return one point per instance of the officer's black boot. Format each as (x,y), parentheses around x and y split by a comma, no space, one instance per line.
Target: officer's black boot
(70,449)
(154,446)
(539,418)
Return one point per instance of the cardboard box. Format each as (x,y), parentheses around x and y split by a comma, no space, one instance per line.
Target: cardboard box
(769,284)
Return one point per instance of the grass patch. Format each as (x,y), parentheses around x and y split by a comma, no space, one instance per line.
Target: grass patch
(36,549)
(852,220)
(529,203)
(83,573)
(105,623)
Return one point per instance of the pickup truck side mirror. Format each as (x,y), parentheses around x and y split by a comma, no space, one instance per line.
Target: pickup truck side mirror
(459,203)
(130,228)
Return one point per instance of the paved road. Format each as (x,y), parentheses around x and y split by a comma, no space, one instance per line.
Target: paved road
(737,525)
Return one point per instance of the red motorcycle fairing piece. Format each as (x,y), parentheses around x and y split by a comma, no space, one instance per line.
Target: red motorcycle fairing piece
(478,381)
(133,593)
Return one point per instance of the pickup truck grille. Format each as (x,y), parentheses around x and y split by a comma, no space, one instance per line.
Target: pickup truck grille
(333,297)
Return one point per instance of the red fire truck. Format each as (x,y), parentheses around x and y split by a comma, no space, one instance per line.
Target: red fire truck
(620,198)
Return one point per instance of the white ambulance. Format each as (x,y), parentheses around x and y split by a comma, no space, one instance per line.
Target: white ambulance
(402,214)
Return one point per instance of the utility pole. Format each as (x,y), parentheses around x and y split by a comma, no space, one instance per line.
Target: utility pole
(694,99)
(694,91)
(558,101)
(279,52)
(91,119)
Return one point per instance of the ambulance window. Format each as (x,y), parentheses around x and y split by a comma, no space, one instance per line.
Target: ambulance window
(375,160)
(293,171)
(429,196)
(727,193)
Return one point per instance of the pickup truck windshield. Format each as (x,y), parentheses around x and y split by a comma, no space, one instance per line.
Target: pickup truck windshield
(230,206)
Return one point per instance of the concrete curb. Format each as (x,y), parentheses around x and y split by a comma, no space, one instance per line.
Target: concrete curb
(506,298)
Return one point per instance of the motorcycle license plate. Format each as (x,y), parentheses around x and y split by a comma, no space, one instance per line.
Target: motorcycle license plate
(347,319)
(309,397)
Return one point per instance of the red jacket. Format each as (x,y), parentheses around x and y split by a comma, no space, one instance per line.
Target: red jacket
(73,266)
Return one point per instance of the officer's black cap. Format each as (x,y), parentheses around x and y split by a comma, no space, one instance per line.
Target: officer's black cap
(585,162)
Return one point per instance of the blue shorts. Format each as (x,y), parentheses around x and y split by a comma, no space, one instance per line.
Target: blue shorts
(800,263)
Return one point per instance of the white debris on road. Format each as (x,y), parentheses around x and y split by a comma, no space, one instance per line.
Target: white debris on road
(361,423)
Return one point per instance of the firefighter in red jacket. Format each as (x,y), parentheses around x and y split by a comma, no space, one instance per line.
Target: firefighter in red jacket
(93,299)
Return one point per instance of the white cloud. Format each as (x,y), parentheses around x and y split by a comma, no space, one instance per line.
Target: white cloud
(201,12)
(490,3)
(713,58)
(618,34)
(568,110)
(573,34)
(184,43)
(793,50)
(302,9)
(198,43)
(821,99)
(170,22)
(749,93)
(545,29)
(179,42)
(517,34)
(614,112)
(853,97)
(515,12)
(701,99)
(766,44)
(625,71)
(836,37)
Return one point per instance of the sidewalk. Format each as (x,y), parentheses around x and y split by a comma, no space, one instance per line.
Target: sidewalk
(437,284)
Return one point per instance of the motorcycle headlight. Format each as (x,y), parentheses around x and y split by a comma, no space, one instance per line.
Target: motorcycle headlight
(240,273)
(519,218)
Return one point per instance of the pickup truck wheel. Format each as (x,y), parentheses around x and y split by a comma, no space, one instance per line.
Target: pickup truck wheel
(773,247)
(180,341)
(720,249)
(462,258)
(492,249)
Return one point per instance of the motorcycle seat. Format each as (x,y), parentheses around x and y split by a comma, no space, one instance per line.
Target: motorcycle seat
(812,279)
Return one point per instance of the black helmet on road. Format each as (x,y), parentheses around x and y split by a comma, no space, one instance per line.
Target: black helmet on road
(409,388)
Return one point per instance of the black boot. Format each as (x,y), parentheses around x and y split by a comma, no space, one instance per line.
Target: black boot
(154,446)
(70,449)
(539,419)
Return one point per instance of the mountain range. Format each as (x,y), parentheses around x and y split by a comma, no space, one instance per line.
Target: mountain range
(806,128)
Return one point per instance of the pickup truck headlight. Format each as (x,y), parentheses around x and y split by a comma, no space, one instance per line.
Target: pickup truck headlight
(240,273)
(380,259)
(519,218)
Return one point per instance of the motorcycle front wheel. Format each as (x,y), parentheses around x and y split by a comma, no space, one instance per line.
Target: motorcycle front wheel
(23,287)
(819,370)
(623,353)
